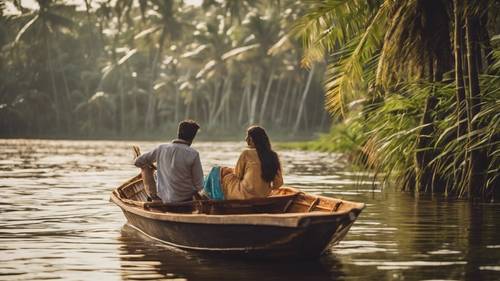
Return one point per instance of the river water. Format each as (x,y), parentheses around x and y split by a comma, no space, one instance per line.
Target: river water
(56,223)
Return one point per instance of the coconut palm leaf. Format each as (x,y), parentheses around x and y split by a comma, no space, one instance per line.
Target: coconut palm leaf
(240,50)
(127,56)
(206,69)
(417,33)
(25,28)
(147,32)
(320,31)
(281,46)
(194,52)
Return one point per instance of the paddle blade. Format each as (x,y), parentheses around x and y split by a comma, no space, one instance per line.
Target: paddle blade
(137,151)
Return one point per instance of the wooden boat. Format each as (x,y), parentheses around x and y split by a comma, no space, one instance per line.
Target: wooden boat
(287,224)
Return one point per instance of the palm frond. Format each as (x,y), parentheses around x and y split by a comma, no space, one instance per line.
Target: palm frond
(328,24)
(346,76)
(25,28)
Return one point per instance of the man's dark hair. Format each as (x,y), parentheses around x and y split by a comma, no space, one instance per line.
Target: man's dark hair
(187,130)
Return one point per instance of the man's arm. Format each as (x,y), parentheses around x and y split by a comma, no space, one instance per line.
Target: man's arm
(146,159)
(197,173)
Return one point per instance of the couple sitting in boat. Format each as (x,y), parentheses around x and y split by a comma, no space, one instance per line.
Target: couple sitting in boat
(180,175)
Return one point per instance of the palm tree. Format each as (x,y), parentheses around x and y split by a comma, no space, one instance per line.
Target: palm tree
(169,28)
(303,100)
(478,156)
(40,24)
(121,65)
(394,44)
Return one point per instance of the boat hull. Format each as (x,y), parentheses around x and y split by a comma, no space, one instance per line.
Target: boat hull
(308,240)
(287,224)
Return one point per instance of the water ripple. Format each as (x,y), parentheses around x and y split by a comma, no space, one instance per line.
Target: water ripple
(56,222)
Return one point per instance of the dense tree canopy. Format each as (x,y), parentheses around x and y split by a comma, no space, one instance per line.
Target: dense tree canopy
(427,73)
(135,68)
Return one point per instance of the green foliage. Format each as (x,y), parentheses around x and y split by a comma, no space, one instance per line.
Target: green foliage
(383,136)
(397,56)
(114,68)
(343,137)
(352,31)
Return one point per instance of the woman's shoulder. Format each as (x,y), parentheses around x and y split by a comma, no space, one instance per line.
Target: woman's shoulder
(248,152)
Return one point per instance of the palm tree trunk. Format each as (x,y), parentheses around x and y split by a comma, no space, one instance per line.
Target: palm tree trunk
(277,97)
(266,97)
(196,109)
(303,100)
(134,124)
(459,77)
(101,123)
(424,153)
(53,83)
(217,98)
(212,102)
(324,117)
(281,116)
(306,118)
(89,29)
(461,110)
(150,113)
(255,97)
(68,117)
(291,107)
(227,106)
(187,112)
(122,105)
(478,158)
(228,111)
(244,102)
(225,95)
(177,105)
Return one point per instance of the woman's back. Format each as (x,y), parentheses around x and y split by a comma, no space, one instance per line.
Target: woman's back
(246,182)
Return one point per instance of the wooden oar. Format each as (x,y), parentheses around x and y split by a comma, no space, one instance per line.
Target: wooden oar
(137,153)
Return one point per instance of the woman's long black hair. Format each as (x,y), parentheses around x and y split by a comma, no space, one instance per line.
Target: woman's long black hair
(270,163)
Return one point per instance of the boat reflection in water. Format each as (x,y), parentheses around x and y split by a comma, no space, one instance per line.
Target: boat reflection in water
(142,258)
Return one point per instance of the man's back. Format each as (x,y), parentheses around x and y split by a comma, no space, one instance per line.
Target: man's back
(179,173)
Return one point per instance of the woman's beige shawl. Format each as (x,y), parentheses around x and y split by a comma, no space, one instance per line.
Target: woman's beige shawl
(246,181)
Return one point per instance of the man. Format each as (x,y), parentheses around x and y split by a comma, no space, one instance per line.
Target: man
(179,172)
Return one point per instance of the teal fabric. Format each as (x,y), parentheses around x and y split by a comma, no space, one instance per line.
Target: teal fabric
(211,185)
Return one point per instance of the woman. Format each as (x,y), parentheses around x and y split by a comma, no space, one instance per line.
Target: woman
(257,171)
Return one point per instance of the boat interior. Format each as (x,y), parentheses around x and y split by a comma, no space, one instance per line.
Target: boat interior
(282,200)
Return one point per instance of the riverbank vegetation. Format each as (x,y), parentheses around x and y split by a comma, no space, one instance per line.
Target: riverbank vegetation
(415,86)
(131,68)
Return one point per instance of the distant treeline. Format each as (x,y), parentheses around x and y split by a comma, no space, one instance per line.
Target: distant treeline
(135,68)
